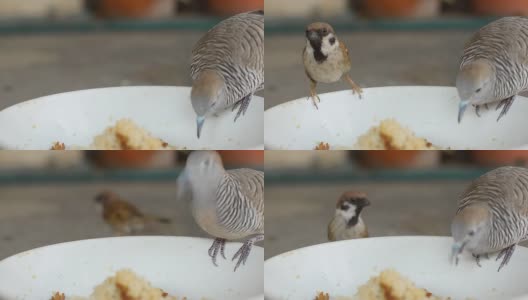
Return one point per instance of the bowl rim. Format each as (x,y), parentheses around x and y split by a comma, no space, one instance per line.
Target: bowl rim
(415,237)
(166,87)
(325,244)
(189,238)
(138,237)
(267,112)
(131,87)
(365,89)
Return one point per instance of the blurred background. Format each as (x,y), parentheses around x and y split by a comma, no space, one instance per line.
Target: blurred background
(391,42)
(411,192)
(48,197)
(53,46)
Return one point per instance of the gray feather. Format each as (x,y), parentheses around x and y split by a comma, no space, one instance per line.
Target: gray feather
(240,201)
(235,49)
(505,192)
(505,44)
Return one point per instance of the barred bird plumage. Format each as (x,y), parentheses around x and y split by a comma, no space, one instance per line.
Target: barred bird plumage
(494,66)
(227,66)
(227,204)
(492,215)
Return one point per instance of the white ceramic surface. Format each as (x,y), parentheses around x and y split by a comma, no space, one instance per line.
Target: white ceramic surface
(75,118)
(178,265)
(430,112)
(339,268)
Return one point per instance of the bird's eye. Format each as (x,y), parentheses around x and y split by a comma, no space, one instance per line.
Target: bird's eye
(344,207)
(478,90)
(472,233)
(324,31)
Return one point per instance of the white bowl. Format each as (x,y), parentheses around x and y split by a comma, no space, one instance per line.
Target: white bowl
(339,268)
(75,118)
(430,112)
(178,265)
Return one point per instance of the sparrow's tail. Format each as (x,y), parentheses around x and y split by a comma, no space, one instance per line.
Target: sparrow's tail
(164,220)
(151,219)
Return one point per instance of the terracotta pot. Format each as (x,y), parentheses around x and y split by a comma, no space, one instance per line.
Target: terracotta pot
(241,158)
(122,159)
(231,7)
(500,158)
(125,8)
(500,7)
(399,159)
(402,8)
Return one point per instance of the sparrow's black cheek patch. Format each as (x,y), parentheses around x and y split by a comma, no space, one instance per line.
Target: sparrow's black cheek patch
(318,55)
(332,41)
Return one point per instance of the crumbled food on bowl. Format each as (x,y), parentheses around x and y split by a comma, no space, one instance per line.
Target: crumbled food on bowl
(322,296)
(391,135)
(390,285)
(126,135)
(58,146)
(125,285)
(322,146)
(58,296)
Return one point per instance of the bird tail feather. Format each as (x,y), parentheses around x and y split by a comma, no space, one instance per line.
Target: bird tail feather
(164,220)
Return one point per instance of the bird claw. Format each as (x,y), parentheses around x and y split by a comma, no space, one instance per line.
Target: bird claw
(314,101)
(477,112)
(507,254)
(218,246)
(506,104)
(243,253)
(356,89)
(243,104)
(477,259)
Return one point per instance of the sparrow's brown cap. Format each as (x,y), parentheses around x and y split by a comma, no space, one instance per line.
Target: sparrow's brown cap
(352,195)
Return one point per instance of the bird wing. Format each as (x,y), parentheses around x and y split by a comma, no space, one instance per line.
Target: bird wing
(252,184)
(330,232)
(505,185)
(239,39)
(120,212)
(346,56)
(506,37)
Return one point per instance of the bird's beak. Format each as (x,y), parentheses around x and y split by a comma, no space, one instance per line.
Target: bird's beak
(455,252)
(461,109)
(199,124)
(312,35)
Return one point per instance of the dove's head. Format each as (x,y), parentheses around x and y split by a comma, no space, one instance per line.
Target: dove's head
(202,165)
(475,84)
(207,96)
(470,229)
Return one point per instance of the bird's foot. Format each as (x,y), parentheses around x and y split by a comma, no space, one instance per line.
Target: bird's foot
(477,110)
(507,254)
(243,253)
(243,105)
(477,259)
(506,105)
(218,246)
(315,98)
(355,88)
